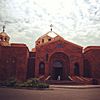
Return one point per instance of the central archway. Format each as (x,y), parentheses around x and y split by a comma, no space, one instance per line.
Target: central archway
(59,66)
(57,70)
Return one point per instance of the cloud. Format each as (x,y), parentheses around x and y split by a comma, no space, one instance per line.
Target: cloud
(75,20)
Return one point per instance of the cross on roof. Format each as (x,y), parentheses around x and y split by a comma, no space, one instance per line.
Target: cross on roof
(51,26)
(3,28)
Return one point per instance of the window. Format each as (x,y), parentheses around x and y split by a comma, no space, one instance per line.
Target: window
(59,46)
(1,39)
(42,40)
(41,68)
(5,39)
(76,69)
(57,64)
(49,39)
(39,42)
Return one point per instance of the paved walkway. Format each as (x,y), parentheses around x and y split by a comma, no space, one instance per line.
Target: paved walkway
(75,86)
(53,94)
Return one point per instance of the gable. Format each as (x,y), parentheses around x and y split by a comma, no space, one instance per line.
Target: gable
(61,45)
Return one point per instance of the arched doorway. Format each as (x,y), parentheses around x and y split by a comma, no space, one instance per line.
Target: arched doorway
(59,66)
(87,68)
(57,70)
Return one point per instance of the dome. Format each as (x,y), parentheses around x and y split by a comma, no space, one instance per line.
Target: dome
(4,38)
(48,37)
(4,34)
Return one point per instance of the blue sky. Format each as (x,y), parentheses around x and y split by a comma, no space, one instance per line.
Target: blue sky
(77,21)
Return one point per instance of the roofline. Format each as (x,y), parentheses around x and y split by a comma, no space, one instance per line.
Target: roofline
(88,48)
(48,35)
(59,40)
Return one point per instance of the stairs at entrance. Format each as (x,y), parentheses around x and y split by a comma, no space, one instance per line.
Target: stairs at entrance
(74,80)
(82,79)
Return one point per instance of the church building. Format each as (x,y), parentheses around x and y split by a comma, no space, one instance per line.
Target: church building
(53,58)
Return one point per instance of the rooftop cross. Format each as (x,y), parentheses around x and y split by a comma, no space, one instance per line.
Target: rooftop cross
(3,28)
(51,26)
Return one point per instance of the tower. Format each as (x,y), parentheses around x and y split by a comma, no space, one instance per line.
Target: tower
(4,38)
(48,37)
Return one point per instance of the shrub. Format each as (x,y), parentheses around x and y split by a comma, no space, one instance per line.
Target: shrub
(9,83)
(3,83)
(33,82)
(42,85)
(20,85)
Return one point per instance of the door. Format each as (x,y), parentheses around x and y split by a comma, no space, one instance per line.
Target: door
(57,70)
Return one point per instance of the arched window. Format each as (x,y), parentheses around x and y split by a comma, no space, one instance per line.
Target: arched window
(41,68)
(42,40)
(76,69)
(5,39)
(57,64)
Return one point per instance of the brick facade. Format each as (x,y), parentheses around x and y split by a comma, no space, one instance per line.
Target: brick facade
(13,61)
(51,57)
(59,50)
(92,61)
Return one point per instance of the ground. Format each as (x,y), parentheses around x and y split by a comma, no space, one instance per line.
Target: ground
(50,94)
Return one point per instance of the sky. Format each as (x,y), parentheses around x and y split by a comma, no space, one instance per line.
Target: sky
(78,21)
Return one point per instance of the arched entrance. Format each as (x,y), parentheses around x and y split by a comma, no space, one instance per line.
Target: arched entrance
(87,68)
(57,70)
(59,66)
(76,69)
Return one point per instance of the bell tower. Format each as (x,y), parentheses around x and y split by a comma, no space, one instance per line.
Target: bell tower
(4,38)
